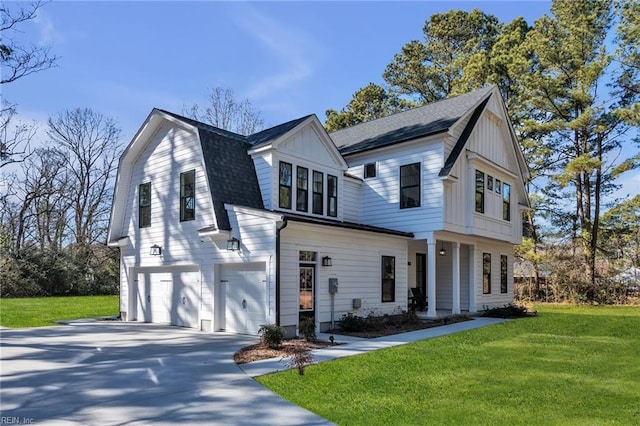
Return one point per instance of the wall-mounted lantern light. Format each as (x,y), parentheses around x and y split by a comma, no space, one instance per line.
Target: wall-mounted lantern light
(326,261)
(233,244)
(156,250)
(443,251)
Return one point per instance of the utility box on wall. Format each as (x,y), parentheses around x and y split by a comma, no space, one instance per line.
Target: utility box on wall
(333,285)
(356,303)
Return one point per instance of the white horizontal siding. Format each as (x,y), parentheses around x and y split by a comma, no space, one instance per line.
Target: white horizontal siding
(381,195)
(495,298)
(352,200)
(356,258)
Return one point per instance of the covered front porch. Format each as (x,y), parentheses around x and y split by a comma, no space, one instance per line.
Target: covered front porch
(441,276)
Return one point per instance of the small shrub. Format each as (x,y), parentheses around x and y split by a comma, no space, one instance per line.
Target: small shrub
(271,335)
(300,359)
(308,329)
(350,322)
(509,311)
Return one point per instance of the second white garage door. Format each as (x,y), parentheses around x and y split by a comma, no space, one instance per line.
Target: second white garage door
(245,296)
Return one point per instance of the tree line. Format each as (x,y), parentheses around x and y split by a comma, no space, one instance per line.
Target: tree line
(570,82)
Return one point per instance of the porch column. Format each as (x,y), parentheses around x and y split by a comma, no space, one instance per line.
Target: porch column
(472,278)
(431,278)
(455,275)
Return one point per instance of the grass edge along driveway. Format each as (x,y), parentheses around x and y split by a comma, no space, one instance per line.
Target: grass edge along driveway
(570,365)
(45,311)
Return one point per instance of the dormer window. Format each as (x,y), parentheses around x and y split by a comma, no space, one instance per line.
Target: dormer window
(285,185)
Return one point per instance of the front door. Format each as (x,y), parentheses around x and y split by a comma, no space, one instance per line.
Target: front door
(306,296)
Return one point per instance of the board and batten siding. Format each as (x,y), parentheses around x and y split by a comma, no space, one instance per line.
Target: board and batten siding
(381,195)
(356,258)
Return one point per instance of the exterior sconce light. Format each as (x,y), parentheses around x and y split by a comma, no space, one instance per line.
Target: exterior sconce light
(326,261)
(443,251)
(156,250)
(233,244)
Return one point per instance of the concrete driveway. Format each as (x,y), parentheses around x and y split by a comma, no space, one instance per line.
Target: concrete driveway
(128,373)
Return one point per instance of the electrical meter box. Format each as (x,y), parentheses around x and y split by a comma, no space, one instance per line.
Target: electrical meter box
(333,285)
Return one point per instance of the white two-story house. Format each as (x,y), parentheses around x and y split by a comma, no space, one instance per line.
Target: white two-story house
(224,232)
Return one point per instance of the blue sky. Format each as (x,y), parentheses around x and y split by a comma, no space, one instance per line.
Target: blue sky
(288,58)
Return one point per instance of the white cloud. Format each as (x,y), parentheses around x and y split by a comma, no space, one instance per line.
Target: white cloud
(290,46)
(49,34)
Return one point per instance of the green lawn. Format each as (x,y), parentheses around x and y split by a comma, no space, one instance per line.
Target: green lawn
(568,366)
(42,311)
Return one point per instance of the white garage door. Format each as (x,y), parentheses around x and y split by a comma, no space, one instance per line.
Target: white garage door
(245,297)
(167,296)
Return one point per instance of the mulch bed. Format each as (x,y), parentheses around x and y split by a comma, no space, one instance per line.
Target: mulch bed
(385,327)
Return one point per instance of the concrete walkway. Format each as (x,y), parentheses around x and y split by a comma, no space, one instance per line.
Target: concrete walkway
(114,373)
(349,346)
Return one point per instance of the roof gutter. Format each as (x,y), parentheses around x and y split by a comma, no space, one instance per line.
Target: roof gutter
(285,222)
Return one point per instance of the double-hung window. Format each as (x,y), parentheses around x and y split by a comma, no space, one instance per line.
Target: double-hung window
(388,278)
(302,186)
(187,196)
(144,205)
(480,191)
(410,186)
(318,190)
(332,196)
(285,186)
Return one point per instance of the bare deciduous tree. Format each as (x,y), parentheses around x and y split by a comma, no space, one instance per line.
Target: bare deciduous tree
(224,112)
(18,59)
(89,144)
(14,140)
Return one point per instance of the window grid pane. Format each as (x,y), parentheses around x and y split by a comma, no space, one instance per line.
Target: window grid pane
(144,205)
(187,196)
(284,196)
(410,186)
(388,278)
(302,185)
(480,191)
(318,205)
(506,201)
(370,170)
(503,274)
(332,196)
(486,273)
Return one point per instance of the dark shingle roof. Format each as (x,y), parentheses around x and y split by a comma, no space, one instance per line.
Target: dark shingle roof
(434,118)
(231,173)
(267,135)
